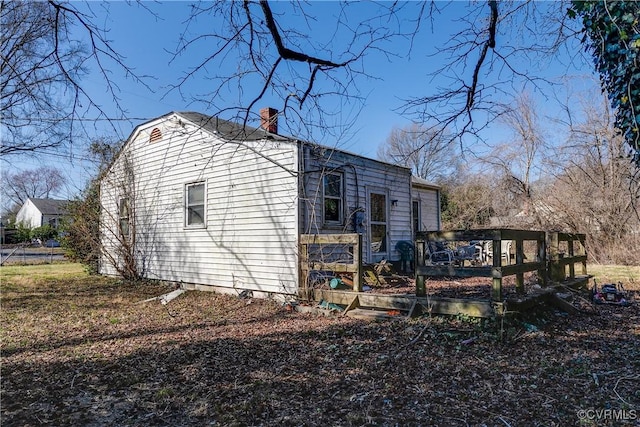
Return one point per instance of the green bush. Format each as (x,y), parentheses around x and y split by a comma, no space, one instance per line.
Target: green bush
(23,233)
(44,233)
(81,240)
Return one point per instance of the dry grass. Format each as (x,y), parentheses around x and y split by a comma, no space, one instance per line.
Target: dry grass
(34,275)
(628,275)
(80,350)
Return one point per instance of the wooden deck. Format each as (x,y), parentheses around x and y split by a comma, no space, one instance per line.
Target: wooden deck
(550,254)
(406,305)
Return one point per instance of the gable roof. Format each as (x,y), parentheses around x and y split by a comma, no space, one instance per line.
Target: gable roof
(235,132)
(420,182)
(50,206)
(226,128)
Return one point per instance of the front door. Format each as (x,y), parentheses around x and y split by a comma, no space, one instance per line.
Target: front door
(378,226)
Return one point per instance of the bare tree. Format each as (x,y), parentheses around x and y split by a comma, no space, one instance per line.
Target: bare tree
(428,153)
(113,237)
(82,238)
(312,63)
(40,183)
(306,61)
(310,66)
(467,202)
(501,50)
(598,190)
(518,163)
(43,104)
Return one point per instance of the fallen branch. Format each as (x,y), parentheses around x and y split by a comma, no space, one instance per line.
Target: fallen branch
(417,337)
(577,294)
(637,377)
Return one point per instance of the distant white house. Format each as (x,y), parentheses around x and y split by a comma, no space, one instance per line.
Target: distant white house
(214,204)
(38,212)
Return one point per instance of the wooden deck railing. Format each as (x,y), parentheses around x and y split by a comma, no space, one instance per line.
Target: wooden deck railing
(566,250)
(497,271)
(553,251)
(547,253)
(350,244)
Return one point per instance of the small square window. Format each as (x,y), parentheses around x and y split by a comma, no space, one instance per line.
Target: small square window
(195,205)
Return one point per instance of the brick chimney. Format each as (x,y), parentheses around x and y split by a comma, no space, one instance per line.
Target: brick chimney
(269,119)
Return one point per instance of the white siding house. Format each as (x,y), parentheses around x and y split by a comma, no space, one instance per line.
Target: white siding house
(215,205)
(38,212)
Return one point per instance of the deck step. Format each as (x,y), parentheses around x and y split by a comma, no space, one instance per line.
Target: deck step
(387,302)
(370,313)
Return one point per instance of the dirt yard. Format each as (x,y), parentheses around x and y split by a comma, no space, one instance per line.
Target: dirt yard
(85,351)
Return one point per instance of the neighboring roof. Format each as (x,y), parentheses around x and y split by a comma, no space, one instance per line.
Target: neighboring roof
(419,182)
(50,206)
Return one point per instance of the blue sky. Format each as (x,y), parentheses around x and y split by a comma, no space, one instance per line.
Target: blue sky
(145,35)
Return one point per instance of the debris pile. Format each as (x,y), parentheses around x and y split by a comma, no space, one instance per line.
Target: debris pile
(610,293)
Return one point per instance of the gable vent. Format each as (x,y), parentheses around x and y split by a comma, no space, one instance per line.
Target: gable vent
(155,136)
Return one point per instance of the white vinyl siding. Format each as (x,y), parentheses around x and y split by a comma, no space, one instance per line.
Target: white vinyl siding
(250,211)
(429,210)
(29,215)
(359,174)
(257,197)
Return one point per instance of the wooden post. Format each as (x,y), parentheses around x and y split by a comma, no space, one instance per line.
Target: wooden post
(496,288)
(542,259)
(419,262)
(583,251)
(304,270)
(357,255)
(572,268)
(556,269)
(519,261)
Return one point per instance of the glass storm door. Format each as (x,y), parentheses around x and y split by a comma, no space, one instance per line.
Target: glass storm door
(378,223)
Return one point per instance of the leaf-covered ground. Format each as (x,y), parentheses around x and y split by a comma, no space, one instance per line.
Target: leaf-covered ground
(80,350)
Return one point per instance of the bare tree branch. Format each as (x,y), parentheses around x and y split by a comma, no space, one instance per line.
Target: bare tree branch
(43,98)
(254,38)
(511,33)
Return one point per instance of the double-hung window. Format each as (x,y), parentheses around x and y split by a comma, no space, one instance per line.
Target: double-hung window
(333,192)
(124,213)
(195,212)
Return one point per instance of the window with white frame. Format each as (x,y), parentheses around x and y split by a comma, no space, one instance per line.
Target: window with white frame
(124,213)
(333,194)
(195,205)
(378,222)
